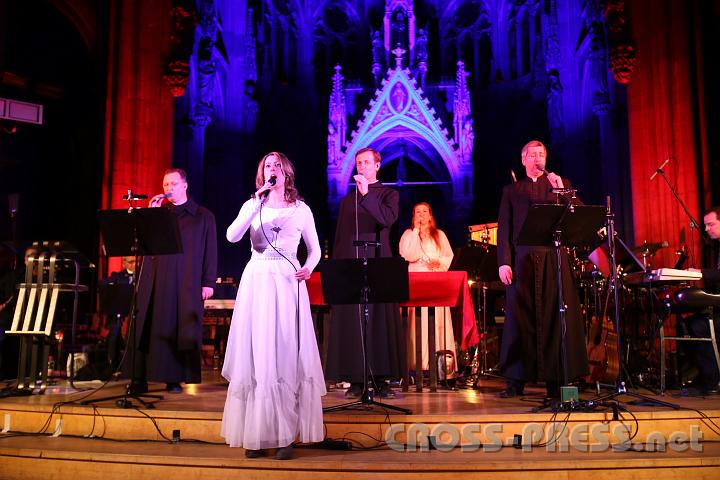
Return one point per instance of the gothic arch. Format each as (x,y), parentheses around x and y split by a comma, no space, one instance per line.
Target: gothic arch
(399,111)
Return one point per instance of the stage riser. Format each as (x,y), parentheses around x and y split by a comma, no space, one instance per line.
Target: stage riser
(132,425)
(30,468)
(476,432)
(107,424)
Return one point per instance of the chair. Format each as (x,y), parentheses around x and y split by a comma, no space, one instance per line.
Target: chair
(689,300)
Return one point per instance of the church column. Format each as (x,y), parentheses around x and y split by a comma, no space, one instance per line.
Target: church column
(553,62)
(138,124)
(600,101)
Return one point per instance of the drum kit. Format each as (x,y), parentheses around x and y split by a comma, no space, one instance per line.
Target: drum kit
(481,265)
(641,305)
(638,302)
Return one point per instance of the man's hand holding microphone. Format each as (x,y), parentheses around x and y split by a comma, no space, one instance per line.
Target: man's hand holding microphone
(362,184)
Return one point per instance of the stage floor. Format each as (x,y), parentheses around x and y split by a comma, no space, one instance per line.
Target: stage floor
(54,436)
(209,397)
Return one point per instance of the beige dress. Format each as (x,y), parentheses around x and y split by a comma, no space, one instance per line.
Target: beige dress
(419,252)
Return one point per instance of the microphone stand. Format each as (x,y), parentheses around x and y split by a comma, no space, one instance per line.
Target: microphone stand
(620,387)
(693,223)
(366,398)
(123,400)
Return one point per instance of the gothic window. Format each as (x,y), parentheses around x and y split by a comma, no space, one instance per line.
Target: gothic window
(525,35)
(512,51)
(484,60)
(465,31)
(337,39)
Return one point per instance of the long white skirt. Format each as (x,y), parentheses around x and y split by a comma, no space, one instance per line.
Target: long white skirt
(275,393)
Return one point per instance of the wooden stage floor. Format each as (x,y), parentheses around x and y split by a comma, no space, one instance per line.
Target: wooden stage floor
(55,436)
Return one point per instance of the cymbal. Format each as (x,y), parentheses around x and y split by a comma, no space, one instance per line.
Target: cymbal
(649,248)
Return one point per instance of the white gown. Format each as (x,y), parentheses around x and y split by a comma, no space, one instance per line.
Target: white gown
(274,395)
(418,253)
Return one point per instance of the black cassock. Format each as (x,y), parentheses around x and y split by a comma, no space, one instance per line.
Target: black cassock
(170,305)
(530,349)
(376,213)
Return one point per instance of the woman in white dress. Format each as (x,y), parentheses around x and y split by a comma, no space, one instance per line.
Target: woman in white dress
(427,249)
(272,360)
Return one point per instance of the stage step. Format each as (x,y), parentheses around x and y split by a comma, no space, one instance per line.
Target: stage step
(131,443)
(50,458)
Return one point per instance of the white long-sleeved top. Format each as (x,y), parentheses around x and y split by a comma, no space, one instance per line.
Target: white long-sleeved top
(419,252)
(283,228)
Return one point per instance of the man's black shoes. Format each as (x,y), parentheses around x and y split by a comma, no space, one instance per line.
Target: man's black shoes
(511,391)
(385,391)
(355,390)
(173,387)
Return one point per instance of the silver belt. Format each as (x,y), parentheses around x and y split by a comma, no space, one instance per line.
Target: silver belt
(271,254)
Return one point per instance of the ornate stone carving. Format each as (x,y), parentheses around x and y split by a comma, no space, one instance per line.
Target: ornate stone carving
(622,51)
(462,122)
(182,38)
(337,125)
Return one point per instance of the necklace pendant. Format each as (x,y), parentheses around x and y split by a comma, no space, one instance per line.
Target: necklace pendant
(276,229)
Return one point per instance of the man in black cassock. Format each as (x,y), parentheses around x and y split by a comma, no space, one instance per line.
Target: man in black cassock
(530,349)
(375,208)
(171,293)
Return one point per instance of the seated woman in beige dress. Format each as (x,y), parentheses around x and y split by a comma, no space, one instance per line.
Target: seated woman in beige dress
(427,249)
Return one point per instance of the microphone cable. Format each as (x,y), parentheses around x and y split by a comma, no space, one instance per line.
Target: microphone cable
(297,303)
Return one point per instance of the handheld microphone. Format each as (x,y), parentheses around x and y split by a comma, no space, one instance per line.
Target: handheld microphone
(659,170)
(272,181)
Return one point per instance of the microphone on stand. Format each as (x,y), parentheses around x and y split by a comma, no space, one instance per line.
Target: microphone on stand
(659,170)
(134,196)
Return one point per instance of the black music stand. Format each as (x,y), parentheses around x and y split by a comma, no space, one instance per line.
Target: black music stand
(480,262)
(562,226)
(364,281)
(138,232)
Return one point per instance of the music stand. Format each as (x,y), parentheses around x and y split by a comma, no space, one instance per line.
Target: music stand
(480,262)
(138,232)
(364,281)
(562,226)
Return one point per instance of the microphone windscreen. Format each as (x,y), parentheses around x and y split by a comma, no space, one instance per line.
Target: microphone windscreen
(273,180)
